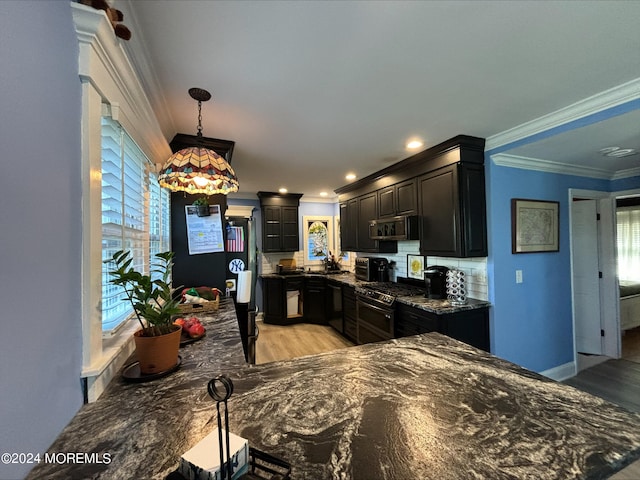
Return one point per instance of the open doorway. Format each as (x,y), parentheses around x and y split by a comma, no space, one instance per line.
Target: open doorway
(593,277)
(628,262)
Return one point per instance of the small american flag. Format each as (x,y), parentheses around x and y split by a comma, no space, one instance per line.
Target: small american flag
(235,239)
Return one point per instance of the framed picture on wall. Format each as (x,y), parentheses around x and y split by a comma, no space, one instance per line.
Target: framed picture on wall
(415,266)
(534,226)
(318,238)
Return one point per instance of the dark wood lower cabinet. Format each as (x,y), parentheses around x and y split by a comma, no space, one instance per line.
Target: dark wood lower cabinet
(278,308)
(294,299)
(468,326)
(318,303)
(315,300)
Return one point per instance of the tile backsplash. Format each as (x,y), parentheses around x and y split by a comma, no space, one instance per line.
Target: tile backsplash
(474,268)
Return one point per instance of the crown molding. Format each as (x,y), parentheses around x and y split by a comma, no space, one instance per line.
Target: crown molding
(539,165)
(245,211)
(104,64)
(139,55)
(628,173)
(602,101)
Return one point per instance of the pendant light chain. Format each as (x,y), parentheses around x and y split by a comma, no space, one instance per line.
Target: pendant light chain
(199,118)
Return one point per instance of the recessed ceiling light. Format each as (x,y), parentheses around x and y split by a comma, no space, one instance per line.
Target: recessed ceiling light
(413,144)
(282,190)
(350,176)
(323,194)
(622,152)
(605,151)
(617,152)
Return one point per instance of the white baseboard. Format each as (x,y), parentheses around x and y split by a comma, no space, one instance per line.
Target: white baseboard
(561,372)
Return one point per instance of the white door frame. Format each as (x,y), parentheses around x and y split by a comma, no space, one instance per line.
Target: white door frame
(609,297)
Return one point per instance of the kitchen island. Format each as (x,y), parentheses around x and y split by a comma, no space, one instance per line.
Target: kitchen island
(419,407)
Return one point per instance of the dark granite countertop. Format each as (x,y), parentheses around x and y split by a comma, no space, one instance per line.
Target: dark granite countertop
(439,307)
(421,407)
(146,427)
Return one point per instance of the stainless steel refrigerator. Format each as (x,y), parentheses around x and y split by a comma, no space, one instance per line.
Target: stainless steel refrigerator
(241,254)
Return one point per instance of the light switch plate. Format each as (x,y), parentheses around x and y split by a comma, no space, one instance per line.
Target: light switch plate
(518,276)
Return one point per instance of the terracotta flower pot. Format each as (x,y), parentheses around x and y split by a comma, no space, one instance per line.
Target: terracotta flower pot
(157,354)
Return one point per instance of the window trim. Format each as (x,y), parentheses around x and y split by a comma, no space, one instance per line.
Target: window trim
(107,77)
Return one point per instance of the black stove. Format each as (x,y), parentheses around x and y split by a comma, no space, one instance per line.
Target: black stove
(387,292)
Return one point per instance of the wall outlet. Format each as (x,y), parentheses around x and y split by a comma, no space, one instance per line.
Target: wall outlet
(518,276)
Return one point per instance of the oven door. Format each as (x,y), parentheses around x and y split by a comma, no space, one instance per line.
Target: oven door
(374,320)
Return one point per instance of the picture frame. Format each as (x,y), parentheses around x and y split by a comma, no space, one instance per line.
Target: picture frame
(415,266)
(318,238)
(534,226)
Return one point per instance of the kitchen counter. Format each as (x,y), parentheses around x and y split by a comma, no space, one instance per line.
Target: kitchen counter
(146,427)
(439,307)
(425,407)
(428,407)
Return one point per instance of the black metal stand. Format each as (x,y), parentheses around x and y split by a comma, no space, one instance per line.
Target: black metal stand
(226,469)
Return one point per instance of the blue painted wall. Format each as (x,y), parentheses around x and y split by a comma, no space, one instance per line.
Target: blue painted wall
(531,322)
(40,233)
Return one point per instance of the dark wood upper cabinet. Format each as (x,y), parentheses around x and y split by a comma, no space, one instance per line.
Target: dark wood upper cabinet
(355,216)
(398,199)
(452,212)
(387,202)
(367,211)
(348,226)
(406,198)
(444,185)
(280,224)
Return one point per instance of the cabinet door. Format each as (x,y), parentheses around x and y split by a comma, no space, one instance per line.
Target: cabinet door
(367,211)
(439,213)
(315,300)
(290,232)
(406,198)
(470,326)
(474,216)
(274,300)
(272,225)
(348,220)
(387,202)
(413,321)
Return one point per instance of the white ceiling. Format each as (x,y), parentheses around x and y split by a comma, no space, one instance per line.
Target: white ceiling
(310,90)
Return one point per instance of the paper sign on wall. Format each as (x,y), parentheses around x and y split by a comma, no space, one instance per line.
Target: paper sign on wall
(204,233)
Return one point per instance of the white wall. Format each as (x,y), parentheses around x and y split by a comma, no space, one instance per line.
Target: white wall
(40,229)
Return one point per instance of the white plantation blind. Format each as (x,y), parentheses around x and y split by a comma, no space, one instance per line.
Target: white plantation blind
(628,226)
(135,214)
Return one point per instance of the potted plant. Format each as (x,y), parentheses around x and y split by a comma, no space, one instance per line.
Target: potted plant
(153,301)
(202,206)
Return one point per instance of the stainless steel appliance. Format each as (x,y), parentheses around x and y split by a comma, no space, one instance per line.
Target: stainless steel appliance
(394,228)
(375,309)
(372,269)
(435,282)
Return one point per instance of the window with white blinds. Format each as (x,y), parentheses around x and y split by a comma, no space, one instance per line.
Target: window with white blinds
(628,226)
(135,214)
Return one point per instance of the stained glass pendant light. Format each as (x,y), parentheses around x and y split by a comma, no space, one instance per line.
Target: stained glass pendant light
(197,169)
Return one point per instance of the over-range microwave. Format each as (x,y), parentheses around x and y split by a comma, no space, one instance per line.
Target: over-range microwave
(394,228)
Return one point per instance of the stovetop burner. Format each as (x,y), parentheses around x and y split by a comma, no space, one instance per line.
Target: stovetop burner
(387,292)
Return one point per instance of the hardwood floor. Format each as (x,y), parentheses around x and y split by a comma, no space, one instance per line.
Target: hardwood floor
(276,342)
(617,381)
